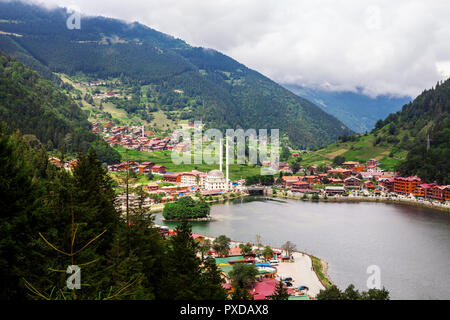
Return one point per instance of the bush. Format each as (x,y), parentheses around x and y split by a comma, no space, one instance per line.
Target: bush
(186,207)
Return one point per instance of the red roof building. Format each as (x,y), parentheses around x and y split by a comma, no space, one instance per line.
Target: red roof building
(288,181)
(387,183)
(300,186)
(372,163)
(158,169)
(172,177)
(359,168)
(424,190)
(406,185)
(265,288)
(440,193)
(370,185)
(350,164)
(234,251)
(352,183)
(340,171)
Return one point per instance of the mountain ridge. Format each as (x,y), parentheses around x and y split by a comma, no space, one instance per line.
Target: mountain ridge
(217,89)
(356,110)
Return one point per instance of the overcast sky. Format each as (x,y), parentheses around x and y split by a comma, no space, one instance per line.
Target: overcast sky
(394,47)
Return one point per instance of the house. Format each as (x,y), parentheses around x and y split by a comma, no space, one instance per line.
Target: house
(72,164)
(366,175)
(359,168)
(172,177)
(352,183)
(193,178)
(370,185)
(372,163)
(151,187)
(158,169)
(406,185)
(206,193)
(440,193)
(55,161)
(300,186)
(145,167)
(234,251)
(387,184)
(287,181)
(285,169)
(334,190)
(424,190)
(312,179)
(265,288)
(383,175)
(312,169)
(181,147)
(340,172)
(284,166)
(335,181)
(350,164)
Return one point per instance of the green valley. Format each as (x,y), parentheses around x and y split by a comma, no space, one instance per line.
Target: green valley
(164,75)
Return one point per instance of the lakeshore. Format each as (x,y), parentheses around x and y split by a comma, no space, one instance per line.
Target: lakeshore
(389,200)
(302,269)
(349,236)
(351,198)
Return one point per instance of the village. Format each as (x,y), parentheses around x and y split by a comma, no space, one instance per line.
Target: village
(354,177)
(135,138)
(295,270)
(350,180)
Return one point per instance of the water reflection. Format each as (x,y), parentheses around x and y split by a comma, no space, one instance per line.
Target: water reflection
(409,244)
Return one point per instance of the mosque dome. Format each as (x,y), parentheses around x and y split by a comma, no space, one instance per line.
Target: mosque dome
(216,174)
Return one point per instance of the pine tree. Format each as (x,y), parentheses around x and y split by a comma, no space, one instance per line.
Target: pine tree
(183,266)
(281,293)
(212,281)
(19,221)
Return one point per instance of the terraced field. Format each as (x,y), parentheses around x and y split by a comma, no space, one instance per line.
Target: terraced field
(361,150)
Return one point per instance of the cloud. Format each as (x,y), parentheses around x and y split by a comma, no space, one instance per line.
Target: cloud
(382,47)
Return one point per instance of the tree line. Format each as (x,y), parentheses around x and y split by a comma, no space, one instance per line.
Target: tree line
(52,218)
(34,106)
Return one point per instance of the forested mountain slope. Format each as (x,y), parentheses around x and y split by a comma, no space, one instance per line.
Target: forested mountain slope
(412,141)
(426,123)
(215,88)
(356,110)
(34,106)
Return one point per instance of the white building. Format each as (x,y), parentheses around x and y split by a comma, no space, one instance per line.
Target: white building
(215,180)
(194,178)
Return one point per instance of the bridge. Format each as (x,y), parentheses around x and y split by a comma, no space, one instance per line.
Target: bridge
(255,190)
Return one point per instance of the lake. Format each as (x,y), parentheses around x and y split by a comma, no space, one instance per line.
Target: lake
(409,244)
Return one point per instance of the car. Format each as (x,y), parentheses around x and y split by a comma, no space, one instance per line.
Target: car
(287,279)
(273,262)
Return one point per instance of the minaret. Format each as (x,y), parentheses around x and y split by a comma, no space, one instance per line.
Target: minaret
(226,164)
(221,154)
(143,132)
